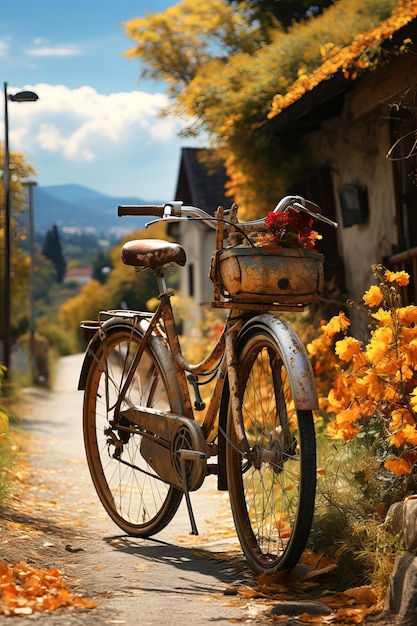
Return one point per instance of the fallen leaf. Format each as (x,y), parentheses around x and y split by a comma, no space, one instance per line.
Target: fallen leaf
(362,595)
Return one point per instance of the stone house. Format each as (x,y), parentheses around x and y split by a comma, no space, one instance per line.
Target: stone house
(344,129)
(200,186)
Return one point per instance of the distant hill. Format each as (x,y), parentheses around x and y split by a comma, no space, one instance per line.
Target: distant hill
(78,207)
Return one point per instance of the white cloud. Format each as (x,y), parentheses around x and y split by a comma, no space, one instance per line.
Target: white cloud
(54,51)
(109,141)
(77,123)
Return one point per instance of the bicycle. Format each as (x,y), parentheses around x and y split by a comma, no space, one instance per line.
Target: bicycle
(144,446)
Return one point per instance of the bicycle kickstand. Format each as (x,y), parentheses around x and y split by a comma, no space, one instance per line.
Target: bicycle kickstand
(183,456)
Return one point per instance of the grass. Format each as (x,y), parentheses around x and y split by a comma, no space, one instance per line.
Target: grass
(349,520)
(7,454)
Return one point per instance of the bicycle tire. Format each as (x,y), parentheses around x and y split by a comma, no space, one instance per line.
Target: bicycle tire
(133,496)
(272,499)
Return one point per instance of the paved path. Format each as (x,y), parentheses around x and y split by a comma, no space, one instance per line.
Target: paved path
(174,578)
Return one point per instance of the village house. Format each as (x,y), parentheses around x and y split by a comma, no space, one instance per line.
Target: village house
(357,136)
(345,128)
(200,186)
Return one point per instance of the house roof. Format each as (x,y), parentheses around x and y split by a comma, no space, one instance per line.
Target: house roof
(197,185)
(326,98)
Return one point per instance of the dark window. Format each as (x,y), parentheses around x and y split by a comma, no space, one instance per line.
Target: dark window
(403,153)
(191,280)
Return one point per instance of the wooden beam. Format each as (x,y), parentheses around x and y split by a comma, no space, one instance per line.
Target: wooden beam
(383,85)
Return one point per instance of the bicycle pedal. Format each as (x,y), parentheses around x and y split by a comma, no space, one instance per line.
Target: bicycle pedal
(191,455)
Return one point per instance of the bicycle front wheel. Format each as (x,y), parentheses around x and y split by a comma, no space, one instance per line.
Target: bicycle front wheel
(135,498)
(272,484)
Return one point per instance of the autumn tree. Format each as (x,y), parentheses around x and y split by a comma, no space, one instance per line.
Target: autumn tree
(20,170)
(123,287)
(270,13)
(52,250)
(222,75)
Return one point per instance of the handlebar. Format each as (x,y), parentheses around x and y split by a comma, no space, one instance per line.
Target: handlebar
(175,211)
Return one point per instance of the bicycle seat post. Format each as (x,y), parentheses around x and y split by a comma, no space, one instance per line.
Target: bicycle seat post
(162,285)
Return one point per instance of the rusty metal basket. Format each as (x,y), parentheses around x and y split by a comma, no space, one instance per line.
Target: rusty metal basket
(267,277)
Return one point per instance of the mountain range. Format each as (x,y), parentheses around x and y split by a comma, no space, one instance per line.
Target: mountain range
(80,208)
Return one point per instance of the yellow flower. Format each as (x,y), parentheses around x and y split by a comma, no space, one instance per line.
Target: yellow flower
(401,278)
(407,314)
(400,418)
(339,396)
(319,345)
(369,386)
(337,324)
(379,344)
(348,347)
(373,296)
(343,427)
(390,393)
(384,317)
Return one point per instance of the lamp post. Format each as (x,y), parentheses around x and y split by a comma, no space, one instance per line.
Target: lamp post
(30,184)
(21,96)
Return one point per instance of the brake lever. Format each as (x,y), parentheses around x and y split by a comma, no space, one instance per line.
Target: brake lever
(318,216)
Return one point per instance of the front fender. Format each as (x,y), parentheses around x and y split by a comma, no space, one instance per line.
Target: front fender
(294,356)
(297,364)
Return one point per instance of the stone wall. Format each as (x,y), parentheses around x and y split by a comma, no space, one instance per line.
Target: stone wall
(355,150)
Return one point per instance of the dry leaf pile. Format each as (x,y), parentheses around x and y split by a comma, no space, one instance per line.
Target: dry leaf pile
(25,590)
(350,606)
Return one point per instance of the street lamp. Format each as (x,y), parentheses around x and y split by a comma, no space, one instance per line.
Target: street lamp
(22,96)
(30,184)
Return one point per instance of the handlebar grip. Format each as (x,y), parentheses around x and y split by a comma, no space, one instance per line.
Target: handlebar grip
(141,209)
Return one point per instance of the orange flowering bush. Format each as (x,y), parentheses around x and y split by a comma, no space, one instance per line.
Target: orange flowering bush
(373,394)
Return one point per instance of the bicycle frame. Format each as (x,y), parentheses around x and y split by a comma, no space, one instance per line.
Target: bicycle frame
(221,361)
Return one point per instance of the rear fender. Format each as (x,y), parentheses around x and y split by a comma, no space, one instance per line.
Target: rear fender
(157,344)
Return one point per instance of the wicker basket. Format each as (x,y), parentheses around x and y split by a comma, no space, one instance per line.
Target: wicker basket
(246,277)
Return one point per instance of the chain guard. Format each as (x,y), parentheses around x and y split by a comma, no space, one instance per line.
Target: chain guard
(165,436)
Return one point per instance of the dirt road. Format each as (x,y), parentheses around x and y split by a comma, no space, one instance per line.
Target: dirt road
(172,579)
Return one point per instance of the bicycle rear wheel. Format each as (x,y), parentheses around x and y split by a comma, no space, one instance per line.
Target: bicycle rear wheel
(272,487)
(130,491)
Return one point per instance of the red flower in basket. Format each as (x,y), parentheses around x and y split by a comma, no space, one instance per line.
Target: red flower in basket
(291,229)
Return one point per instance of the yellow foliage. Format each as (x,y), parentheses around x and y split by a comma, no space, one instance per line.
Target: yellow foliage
(85,306)
(352,59)
(222,74)
(180,42)
(4,426)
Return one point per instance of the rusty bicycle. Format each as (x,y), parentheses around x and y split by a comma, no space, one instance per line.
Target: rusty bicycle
(145,442)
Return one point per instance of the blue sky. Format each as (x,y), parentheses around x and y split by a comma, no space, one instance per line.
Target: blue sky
(94,123)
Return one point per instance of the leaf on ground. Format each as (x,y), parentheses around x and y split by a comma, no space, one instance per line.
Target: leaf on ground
(25,590)
(363,595)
